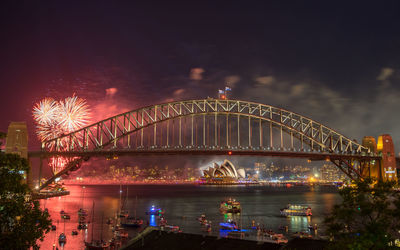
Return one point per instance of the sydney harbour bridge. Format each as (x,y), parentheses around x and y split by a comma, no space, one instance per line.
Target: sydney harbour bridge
(222,127)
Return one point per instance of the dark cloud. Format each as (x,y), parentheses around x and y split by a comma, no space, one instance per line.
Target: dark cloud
(333,63)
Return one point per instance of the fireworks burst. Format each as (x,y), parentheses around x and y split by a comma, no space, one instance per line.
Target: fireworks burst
(54,118)
(73,113)
(45,112)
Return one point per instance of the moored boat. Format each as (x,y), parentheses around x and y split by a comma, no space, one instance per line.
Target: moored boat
(231,225)
(82,212)
(302,235)
(202,219)
(97,245)
(132,222)
(155,211)
(62,239)
(65,216)
(230,206)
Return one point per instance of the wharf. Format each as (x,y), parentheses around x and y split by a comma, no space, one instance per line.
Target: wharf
(45,195)
(153,238)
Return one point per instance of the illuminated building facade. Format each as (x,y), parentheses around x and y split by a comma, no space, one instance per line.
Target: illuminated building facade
(384,169)
(226,171)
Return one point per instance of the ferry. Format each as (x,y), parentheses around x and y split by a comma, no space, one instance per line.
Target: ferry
(296,210)
(230,206)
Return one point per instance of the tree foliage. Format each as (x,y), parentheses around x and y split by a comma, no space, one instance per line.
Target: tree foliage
(368,218)
(22,222)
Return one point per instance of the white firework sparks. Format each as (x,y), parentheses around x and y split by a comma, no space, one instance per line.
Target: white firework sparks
(45,112)
(74,113)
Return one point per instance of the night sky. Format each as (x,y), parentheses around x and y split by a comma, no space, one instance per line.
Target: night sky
(336,63)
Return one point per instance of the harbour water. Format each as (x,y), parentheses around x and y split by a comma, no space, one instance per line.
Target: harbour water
(183,204)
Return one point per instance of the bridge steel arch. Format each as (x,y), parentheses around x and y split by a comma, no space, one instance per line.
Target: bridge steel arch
(106,135)
(109,131)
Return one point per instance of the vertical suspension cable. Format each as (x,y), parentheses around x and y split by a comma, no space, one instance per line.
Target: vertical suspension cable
(260,133)
(204,130)
(291,139)
(227,130)
(192,132)
(249,131)
(180,131)
(215,130)
(238,130)
(168,133)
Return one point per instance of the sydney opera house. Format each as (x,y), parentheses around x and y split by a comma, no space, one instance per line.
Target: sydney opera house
(226,172)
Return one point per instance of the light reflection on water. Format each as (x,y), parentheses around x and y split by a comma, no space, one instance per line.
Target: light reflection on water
(183,204)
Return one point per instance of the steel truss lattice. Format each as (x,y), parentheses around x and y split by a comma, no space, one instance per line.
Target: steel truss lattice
(109,132)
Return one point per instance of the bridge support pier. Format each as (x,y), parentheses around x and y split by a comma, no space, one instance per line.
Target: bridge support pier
(17,143)
(384,169)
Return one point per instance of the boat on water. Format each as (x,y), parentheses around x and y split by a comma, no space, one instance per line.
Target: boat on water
(202,219)
(230,225)
(97,244)
(312,228)
(155,211)
(296,210)
(121,233)
(110,221)
(82,212)
(302,235)
(230,206)
(132,222)
(82,226)
(172,228)
(275,239)
(62,239)
(65,216)
(123,213)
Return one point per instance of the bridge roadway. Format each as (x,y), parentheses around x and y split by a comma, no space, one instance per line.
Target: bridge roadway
(151,152)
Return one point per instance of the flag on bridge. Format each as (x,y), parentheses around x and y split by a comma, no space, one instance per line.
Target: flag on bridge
(221,94)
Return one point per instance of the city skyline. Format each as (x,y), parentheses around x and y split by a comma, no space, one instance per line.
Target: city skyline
(210,124)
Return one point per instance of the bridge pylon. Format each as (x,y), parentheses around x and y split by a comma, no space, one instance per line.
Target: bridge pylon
(384,169)
(17,143)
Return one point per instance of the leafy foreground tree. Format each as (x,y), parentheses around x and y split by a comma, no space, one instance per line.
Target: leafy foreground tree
(368,218)
(22,222)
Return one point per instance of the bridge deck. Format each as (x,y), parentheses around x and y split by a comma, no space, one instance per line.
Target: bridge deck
(151,152)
